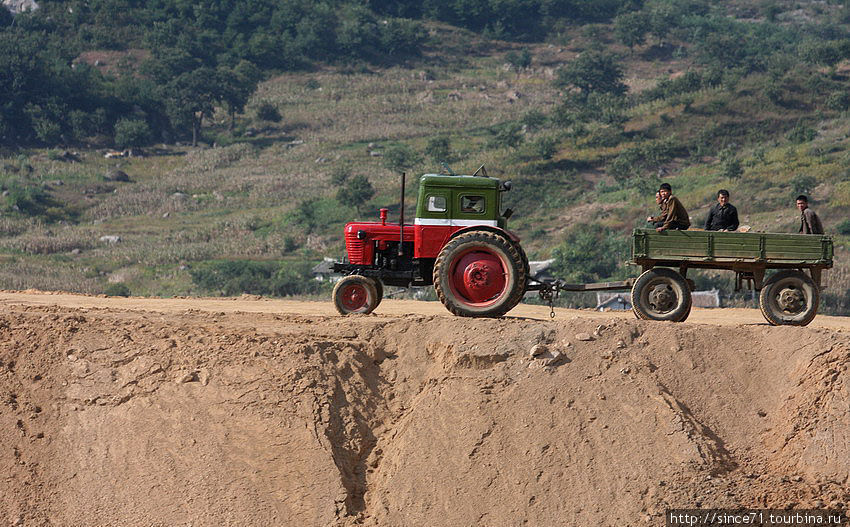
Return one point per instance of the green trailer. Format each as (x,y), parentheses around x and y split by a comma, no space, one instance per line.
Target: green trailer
(788,296)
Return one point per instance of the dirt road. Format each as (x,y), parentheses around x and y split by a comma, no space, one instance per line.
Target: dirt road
(267,412)
(388,307)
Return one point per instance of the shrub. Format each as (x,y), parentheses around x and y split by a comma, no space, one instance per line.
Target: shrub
(402,36)
(546,147)
(132,132)
(32,200)
(731,168)
(803,184)
(438,149)
(838,101)
(236,277)
(801,134)
(644,156)
(400,157)
(593,71)
(534,119)
(267,111)
(519,60)
(508,135)
(340,174)
(117,289)
(356,192)
(843,227)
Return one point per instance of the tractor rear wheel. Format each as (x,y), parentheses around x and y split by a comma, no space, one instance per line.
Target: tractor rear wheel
(355,294)
(480,274)
(789,298)
(527,269)
(379,287)
(661,294)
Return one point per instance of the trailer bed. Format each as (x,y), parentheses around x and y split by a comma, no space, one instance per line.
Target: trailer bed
(714,249)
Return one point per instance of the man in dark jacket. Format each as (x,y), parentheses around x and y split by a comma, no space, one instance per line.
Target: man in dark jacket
(723,216)
(809,221)
(673,214)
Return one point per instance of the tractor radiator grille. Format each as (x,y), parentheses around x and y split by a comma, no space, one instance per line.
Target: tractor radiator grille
(356,248)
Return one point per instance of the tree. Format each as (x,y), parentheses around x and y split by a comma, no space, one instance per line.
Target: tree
(592,72)
(238,84)
(588,254)
(630,29)
(356,192)
(190,97)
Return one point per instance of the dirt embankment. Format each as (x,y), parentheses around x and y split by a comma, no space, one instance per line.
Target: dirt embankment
(114,416)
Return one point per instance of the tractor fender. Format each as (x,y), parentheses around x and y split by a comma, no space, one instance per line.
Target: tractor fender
(502,232)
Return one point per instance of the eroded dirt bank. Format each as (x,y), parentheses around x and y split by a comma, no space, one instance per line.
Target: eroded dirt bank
(116,416)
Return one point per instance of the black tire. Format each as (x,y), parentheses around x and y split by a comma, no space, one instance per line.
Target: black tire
(379,287)
(355,294)
(527,270)
(789,298)
(661,294)
(480,274)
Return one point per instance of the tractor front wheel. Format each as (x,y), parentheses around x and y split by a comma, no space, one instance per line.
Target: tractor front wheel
(355,294)
(480,274)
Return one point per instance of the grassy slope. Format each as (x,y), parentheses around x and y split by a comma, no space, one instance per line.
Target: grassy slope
(242,200)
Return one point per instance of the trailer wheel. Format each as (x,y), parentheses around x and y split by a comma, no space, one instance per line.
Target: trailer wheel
(355,294)
(789,298)
(480,274)
(661,294)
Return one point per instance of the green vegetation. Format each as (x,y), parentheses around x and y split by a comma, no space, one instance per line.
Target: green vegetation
(117,289)
(233,278)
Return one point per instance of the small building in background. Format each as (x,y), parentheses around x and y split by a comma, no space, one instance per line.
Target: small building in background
(613,301)
(323,271)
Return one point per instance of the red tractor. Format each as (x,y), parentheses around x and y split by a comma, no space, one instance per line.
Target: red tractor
(458,242)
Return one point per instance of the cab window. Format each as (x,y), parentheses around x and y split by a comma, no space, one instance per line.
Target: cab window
(472,204)
(436,204)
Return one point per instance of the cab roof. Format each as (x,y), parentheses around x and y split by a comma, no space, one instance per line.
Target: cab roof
(443,180)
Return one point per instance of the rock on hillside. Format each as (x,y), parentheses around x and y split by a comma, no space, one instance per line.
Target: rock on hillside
(19,6)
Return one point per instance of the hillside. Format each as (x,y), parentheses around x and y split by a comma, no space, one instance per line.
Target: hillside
(767,121)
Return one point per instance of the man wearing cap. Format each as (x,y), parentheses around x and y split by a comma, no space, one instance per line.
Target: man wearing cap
(722,216)
(673,214)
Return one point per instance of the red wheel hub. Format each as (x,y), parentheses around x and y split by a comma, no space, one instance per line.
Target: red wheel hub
(478,277)
(354,297)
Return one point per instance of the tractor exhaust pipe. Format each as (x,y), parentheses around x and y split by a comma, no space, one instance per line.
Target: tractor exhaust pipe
(401,219)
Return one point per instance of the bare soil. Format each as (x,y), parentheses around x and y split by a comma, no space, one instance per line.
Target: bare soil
(265,412)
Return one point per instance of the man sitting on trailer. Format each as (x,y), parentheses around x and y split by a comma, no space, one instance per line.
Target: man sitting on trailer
(673,214)
(809,221)
(723,216)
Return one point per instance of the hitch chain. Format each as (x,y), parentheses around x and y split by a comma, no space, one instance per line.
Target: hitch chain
(549,293)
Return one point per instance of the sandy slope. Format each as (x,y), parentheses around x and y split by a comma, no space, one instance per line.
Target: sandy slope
(266,412)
